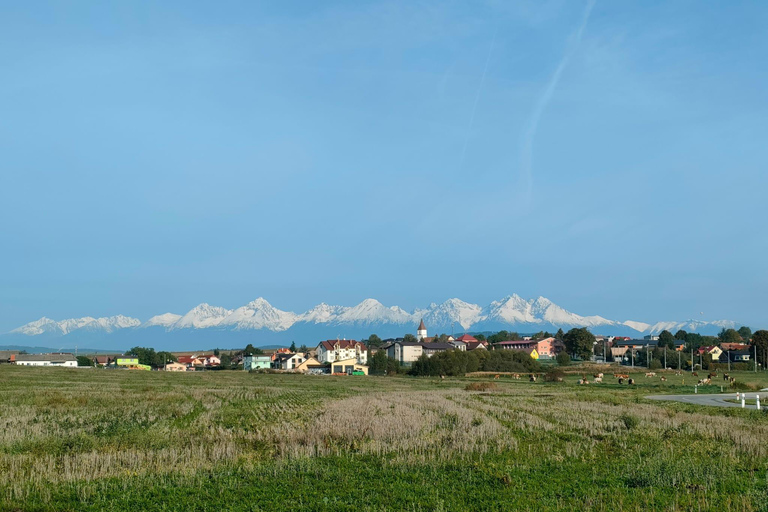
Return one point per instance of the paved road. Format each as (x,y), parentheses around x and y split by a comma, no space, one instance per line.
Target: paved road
(714,400)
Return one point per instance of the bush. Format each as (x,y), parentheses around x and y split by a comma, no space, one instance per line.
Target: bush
(554,375)
(481,386)
(563,359)
(630,421)
(655,365)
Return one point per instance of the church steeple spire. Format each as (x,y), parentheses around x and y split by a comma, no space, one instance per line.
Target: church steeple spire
(421,332)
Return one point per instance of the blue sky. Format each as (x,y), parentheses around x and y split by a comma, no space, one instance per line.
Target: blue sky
(609,156)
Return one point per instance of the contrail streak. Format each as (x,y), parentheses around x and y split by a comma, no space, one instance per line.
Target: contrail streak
(477,100)
(541,105)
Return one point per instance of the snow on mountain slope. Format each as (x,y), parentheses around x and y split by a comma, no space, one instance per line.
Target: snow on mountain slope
(638,326)
(164,320)
(450,311)
(105,324)
(511,312)
(321,314)
(202,316)
(259,314)
(111,324)
(371,311)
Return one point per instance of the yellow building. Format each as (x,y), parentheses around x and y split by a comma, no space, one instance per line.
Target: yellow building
(348,365)
(309,364)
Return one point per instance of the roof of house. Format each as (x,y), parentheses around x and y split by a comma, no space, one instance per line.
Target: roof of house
(422,327)
(331,344)
(466,338)
(54,358)
(630,343)
(437,346)
(472,345)
(517,342)
(734,346)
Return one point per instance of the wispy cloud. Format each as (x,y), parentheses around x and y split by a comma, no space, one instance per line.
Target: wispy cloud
(477,100)
(541,105)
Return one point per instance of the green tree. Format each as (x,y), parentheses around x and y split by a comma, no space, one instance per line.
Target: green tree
(377,363)
(146,355)
(443,338)
(216,352)
(480,337)
(226,361)
(541,335)
(503,336)
(745,333)
(666,339)
(162,357)
(560,334)
(760,341)
(681,335)
(303,348)
(579,342)
(84,361)
(293,347)
(409,338)
(374,341)
(729,336)
(563,359)
(250,350)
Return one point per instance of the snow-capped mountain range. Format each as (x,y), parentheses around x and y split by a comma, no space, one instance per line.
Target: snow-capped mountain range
(261,322)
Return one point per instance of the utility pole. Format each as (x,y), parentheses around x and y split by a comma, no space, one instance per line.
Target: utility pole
(648,356)
(665,357)
(632,353)
(729,360)
(755,347)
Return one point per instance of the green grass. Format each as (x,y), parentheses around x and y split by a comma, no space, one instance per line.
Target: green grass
(121,440)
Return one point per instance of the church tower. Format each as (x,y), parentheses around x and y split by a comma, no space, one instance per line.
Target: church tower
(421,333)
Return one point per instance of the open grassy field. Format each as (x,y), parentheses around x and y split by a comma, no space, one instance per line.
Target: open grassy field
(120,440)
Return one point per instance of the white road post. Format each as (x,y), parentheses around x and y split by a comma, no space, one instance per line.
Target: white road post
(696,388)
(757,398)
(743,400)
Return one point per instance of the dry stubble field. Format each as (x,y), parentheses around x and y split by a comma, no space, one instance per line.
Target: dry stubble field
(119,440)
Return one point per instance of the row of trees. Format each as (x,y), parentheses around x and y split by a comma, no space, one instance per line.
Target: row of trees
(459,362)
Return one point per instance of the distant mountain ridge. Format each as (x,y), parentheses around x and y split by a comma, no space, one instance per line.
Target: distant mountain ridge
(260,321)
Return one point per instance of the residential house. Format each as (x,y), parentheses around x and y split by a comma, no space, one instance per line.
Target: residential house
(406,352)
(712,350)
(288,362)
(56,359)
(191,361)
(256,362)
(310,363)
(210,360)
(733,346)
(548,348)
(532,352)
(338,350)
(458,345)
(175,367)
(515,345)
(474,345)
(737,356)
(103,360)
(127,361)
(348,366)
(430,349)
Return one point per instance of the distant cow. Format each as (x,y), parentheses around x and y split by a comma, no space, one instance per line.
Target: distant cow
(621,376)
(496,377)
(532,378)
(726,376)
(598,380)
(663,379)
(631,382)
(517,376)
(621,381)
(583,381)
(650,374)
(598,376)
(695,374)
(712,375)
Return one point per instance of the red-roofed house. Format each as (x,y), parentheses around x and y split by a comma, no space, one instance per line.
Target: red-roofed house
(339,350)
(466,338)
(549,347)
